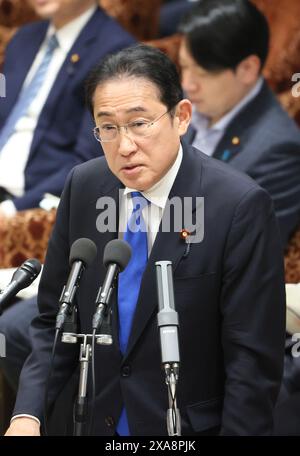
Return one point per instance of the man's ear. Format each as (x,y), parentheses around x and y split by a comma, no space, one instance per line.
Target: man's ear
(183,115)
(248,70)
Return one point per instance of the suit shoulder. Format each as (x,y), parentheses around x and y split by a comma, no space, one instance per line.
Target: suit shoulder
(223,178)
(229,195)
(234,192)
(274,124)
(282,125)
(29,31)
(90,167)
(108,26)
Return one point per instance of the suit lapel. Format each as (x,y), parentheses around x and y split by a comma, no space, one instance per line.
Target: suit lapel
(73,64)
(167,246)
(15,74)
(236,134)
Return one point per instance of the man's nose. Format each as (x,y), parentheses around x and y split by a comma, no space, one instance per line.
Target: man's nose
(127,144)
(188,82)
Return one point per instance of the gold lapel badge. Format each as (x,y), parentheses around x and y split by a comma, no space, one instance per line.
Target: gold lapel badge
(235,141)
(185,234)
(75,58)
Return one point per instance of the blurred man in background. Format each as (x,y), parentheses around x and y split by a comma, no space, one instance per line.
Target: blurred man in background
(44,127)
(236,117)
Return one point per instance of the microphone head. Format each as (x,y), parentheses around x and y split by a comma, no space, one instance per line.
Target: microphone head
(33,265)
(117,251)
(27,273)
(84,250)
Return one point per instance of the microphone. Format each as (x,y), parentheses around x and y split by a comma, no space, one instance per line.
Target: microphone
(82,254)
(167,316)
(167,319)
(117,254)
(21,278)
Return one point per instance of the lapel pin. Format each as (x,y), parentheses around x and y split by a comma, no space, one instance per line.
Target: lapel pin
(75,58)
(226,155)
(235,140)
(185,234)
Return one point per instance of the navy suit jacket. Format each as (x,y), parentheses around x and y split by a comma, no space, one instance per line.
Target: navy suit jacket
(229,292)
(264,142)
(63,136)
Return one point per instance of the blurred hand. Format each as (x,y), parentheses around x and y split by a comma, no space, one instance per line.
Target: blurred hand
(23,426)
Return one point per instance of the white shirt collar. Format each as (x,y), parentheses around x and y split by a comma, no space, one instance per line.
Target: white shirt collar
(221,125)
(67,34)
(158,194)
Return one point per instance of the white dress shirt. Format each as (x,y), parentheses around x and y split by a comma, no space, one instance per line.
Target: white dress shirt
(158,197)
(14,155)
(207,138)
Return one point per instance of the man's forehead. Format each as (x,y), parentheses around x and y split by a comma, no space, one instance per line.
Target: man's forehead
(126,99)
(112,111)
(127,89)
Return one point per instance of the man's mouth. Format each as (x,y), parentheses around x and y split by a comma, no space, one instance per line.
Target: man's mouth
(132,168)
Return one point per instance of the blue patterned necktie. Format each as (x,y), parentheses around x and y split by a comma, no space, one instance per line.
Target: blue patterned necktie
(28,94)
(130,280)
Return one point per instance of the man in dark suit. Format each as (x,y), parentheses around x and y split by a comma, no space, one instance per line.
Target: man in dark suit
(236,117)
(45,129)
(227,283)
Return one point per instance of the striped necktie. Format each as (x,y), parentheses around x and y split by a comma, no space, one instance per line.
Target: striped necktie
(130,281)
(29,92)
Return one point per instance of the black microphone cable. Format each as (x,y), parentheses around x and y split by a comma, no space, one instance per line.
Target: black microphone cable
(57,331)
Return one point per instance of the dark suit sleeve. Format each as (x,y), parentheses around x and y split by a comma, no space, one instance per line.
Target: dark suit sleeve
(253,313)
(86,148)
(30,398)
(53,184)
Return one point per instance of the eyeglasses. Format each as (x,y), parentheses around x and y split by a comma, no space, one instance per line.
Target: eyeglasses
(137,129)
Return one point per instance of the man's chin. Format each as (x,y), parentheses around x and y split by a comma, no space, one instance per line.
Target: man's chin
(45,11)
(200,107)
(46,16)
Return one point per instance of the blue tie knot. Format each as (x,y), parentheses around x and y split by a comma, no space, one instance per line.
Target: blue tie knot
(136,222)
(52,43)
(138,201)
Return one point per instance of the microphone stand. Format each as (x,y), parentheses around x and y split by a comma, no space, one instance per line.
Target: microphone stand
(167,320)
(81,405)
(80,415)
(173,413)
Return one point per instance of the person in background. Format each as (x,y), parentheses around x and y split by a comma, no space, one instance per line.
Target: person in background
(236,117)
(44,126)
